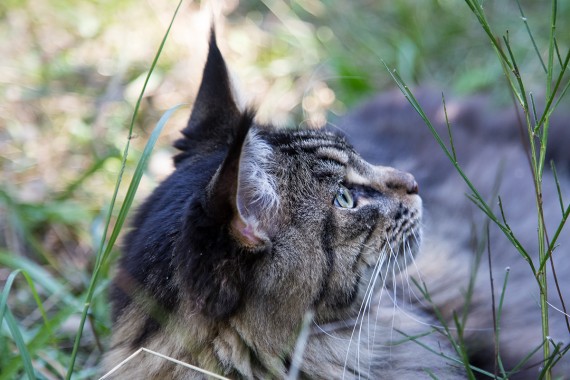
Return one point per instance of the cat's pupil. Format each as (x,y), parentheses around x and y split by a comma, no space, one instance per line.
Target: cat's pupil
(343,198)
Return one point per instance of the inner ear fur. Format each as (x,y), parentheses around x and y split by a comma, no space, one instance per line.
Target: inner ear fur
(257,200)
(243,190)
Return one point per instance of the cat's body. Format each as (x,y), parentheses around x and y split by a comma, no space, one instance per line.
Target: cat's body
(257,230)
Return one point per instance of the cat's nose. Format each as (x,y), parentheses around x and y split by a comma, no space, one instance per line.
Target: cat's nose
(397,180)
(412,187)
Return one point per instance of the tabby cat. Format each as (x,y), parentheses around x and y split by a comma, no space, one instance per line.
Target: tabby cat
(271,253)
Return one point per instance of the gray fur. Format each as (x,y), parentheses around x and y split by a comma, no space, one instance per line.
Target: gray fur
(285,285)
(489,149)
(299,253)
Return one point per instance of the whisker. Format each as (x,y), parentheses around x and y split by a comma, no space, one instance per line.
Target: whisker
(414,261)
(375,275)
(407,276)
(383,287)
(360,315)
(327,333)
(395,302)
(557,309)
(438,326)
(418,272)
(368,301)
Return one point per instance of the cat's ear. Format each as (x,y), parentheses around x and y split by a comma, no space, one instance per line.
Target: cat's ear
(257,200)
(243,191)
(215,112)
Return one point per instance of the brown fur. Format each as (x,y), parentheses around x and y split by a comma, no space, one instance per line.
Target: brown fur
(245,241)
(246,238)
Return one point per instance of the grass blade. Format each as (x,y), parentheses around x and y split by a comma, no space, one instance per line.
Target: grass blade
(38,275)
(38,341)
(524,19)
(25,357)
(557,182)
(478,199)
(8,287)
(127,203)
(103,253)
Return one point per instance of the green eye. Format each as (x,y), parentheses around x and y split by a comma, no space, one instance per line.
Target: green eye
(343,198)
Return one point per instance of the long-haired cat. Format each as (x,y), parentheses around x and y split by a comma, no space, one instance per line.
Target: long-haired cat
(271,253)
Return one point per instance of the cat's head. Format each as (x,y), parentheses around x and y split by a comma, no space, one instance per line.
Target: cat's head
(291,220)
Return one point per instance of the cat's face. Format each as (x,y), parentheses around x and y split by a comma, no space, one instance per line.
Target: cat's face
(308,219)
(337,218)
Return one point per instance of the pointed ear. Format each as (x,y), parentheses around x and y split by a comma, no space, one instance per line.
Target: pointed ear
(214,113)
(243,191)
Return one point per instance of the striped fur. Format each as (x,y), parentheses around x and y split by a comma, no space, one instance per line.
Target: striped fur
(248,238)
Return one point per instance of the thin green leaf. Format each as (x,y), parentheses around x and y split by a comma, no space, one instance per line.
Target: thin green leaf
(524,19)
(549,363)
(557,52)
(105,249)
(477,10)
(439,353)
(515,70)
(6,292)
(526,256)
(551,95)
(480,201)
(39,276)
(121,218)
(19,340)
(532,103)
(18,220)
(552,245)
(525,360)
(137,176)
(562,95)
(8,287)
(498,322)
(448,128)
(558,190)
(560,354)
(38,341)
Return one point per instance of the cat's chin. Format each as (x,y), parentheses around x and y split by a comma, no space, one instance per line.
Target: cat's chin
(394,255)
(409,245)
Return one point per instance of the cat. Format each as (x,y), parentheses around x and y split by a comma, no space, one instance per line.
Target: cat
(257,230)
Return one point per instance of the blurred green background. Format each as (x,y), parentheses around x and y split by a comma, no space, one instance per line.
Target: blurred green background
(70,73)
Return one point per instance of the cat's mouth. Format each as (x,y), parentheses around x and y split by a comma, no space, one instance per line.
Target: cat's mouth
(405,245)
(397,245)
(405,234)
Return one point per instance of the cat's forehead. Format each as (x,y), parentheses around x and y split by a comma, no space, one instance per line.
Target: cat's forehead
(330,151)
(319,142)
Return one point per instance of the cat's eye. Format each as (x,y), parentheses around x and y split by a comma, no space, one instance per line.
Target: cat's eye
(343,198)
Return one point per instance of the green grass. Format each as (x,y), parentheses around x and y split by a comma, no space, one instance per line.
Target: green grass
(537,134)
(69,81)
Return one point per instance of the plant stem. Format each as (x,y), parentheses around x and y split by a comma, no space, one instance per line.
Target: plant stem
(543,252)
